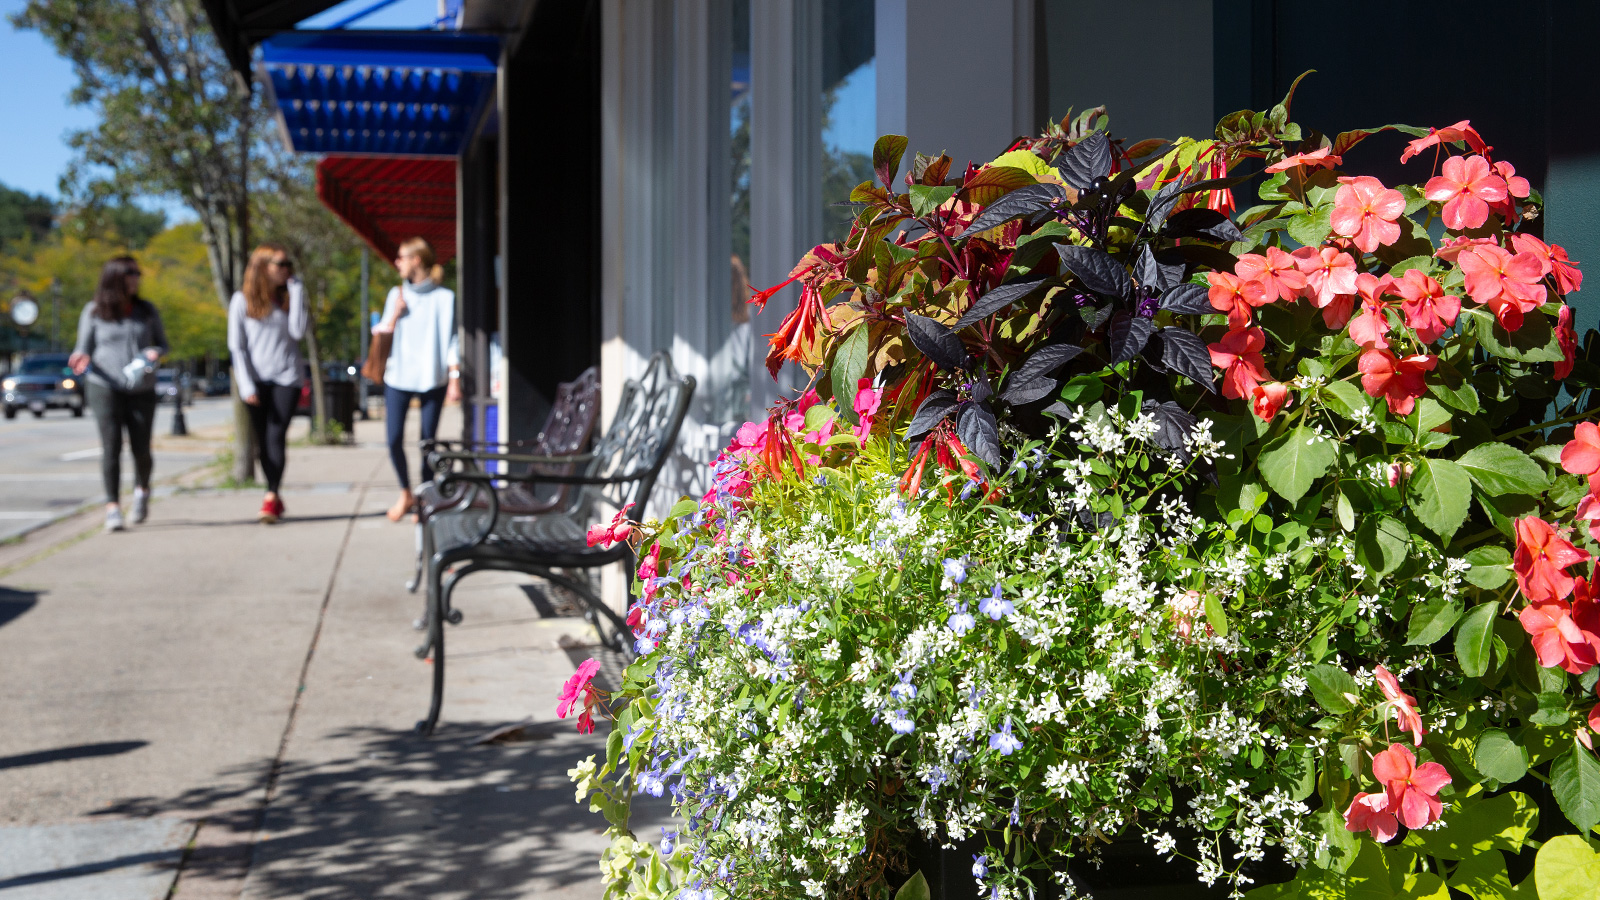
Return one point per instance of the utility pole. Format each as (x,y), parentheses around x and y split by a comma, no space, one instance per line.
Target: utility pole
(364,332)
(55,314)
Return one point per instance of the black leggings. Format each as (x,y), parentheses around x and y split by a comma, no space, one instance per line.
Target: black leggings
(269,419)
(395,404)
(115,410)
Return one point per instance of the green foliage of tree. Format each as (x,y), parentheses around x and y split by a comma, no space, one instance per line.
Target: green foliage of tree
(24,217)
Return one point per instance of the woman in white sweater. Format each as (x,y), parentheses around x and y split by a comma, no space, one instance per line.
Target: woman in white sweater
(266,321)
(424,359)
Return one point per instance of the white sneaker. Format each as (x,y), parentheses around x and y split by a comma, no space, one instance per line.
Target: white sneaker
(114,519)
(141,505)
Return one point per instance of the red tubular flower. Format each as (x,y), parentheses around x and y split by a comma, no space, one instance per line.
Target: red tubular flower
(1276,271)
(1466,188)
(759,298)
(1371,327)
(1235,296)
(1399,381)
(1553,260)
(1267,399)
(798,332)
(1581,455)
(1405,705)
(1428,309)
(1509,285)
(1316,159)
(1541,560)
(1365,211)
(1412,789)
(1238,355)
(1460,131)
(911,481)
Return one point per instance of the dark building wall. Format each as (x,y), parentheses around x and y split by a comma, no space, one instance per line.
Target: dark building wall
(550,208)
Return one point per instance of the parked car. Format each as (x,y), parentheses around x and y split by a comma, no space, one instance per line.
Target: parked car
(42,382)
(169,382)
(215,385)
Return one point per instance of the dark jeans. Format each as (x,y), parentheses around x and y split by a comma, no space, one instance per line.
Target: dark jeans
(114,411)
(269,419)
(395,404)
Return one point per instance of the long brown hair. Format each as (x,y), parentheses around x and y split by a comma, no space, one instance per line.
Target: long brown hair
(260,296)
(423,251)
(111,299)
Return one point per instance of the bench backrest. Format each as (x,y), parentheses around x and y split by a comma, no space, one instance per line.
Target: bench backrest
(650,412)
(566,431)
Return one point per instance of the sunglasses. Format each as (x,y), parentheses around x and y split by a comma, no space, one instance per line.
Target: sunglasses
(283,263)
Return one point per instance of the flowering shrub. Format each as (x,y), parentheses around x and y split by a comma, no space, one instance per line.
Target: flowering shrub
(1115,511)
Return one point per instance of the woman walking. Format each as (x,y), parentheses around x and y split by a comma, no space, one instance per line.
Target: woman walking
(424,359)
(266,321)
(120,338)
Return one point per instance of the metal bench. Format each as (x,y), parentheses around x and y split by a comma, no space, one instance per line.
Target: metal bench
(567,430)
(621,470)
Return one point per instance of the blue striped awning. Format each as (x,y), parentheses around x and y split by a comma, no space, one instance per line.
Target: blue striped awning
(403,93)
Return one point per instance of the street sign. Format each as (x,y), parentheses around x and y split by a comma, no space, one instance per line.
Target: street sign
(24,311)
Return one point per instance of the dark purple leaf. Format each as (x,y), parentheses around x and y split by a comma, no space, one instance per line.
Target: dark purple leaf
(1201,222)
(1031,380)
(996,300)
(1155,274)
(980,432)
(1183,351)
(1098,270)
(980,390)
(1087,160)
(1209,256)
(1128,335)
(1023,201)
(1059,410)
(1189,299)
(936,342)
(933,410)
(1174,424)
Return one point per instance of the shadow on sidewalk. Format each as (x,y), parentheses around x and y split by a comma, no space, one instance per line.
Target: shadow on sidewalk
(399,815)
(288,521)
(14,603)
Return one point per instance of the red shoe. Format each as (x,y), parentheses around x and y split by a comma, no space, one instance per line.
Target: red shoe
(270,511)
(278,504)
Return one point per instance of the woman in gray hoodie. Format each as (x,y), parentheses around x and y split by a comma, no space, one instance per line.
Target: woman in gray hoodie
(120,338)
(266,321)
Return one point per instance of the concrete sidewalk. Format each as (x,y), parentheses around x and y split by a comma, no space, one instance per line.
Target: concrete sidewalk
(211,707)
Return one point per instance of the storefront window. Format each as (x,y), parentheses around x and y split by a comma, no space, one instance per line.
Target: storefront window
(849,108)
(730,364)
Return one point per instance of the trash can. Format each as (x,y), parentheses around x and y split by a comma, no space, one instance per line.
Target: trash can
(340,397)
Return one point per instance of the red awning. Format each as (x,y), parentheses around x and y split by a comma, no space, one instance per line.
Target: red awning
(388,200)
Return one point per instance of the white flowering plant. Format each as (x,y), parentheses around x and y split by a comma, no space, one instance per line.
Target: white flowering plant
(1015,576)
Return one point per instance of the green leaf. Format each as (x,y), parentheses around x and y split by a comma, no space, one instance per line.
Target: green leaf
(1432,619)
(683,507)
(1500,757)
(1490,566)
(1535,341)
(1333,688)
(1463,397)
(1312,228)
(1292,462)
(1475,639)
(1483,876)
(1346,514)
(1567,868)
(886,156)
(1440,494)
(1215,616)
(914,889)
(926,198)
(849,365)
(1382,544)
(1552,709)
(1344,398)
(1575,780)
(1503,469)
(1425,263)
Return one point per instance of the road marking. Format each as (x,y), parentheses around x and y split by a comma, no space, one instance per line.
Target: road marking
(81,454)
(25,514)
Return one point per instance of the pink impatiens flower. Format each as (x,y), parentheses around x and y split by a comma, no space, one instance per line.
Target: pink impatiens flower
(1365,211)
(612,532)
(1266,399)
(1460,131)
(1466,187)
(1405,705)
(1581,455)
(1541,561)
(1330,282)
(1316,159)
(1235,296)
(866,405)
(1412,789)
(1553,260)
(1565,634)
(580,684)
(1238,355)
(1371,812)
(1398,381)
(1371,327)
(1428,309)
(1567,340)
(1509,285)
(1277,272)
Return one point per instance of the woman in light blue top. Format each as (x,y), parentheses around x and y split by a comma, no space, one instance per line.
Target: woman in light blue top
(266,321)
(424,358)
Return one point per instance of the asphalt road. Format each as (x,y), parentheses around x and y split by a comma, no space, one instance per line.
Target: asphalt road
(50,467)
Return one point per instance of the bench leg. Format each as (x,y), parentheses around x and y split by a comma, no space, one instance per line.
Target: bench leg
(596,612)
(435,643)
(422,555)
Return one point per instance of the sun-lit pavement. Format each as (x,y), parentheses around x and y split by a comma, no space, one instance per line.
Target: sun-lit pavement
(50,466)
(225,709)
